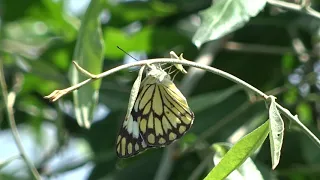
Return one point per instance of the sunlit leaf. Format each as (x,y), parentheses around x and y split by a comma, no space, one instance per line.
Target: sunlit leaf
(246,171)
(224,17)
(276,132)
(239,153)
(89,55)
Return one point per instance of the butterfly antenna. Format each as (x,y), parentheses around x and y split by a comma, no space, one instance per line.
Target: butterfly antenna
(177,72)
(127,53)
(169,67)
(171,72)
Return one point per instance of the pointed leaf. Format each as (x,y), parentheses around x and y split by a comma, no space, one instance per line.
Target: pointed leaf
(276,132)
(224,17)
(239,153)
(89,55)
(246,171)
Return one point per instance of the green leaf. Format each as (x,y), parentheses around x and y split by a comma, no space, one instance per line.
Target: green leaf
(89,55)
(225,16)
(276,132)
(247,170)
(239,153)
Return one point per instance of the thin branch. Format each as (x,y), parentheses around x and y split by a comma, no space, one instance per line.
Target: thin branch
(9,160)
(245,85)
(297,44)
(295,119)
(9,99)
(166,163)
(295,7)
(74,163)
(257,48)
(197,172)
(310,169)
(55,95)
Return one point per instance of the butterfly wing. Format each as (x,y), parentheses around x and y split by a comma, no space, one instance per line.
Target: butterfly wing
(165,114)
(128,143)
(160,115)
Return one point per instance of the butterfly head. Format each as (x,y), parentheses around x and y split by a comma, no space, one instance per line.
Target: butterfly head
(157,72)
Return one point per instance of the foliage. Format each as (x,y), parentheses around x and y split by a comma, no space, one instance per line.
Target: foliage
(273,49)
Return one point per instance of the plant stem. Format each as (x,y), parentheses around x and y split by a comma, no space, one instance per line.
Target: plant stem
(304,8)
(166,164)
(213,70)
(9,108)
(9,160)
(295,118)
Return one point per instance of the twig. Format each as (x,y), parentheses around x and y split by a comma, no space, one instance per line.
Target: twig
(257,48)
(310,169)
(9,160)
(213,70)
(297,44)
(74,163)
(196,173)
(295,7)
(55,95)
(166,164)
(295,119)
(9,102)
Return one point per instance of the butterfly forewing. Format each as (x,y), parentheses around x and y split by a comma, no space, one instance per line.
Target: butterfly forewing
(166,116)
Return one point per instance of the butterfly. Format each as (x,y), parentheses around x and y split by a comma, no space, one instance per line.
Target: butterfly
(160,115)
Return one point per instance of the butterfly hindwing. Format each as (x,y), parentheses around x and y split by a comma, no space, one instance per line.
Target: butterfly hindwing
(129,141)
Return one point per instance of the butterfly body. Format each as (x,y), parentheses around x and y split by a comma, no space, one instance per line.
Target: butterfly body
(160,115)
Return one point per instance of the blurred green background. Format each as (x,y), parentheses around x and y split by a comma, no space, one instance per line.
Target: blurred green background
(277,52)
